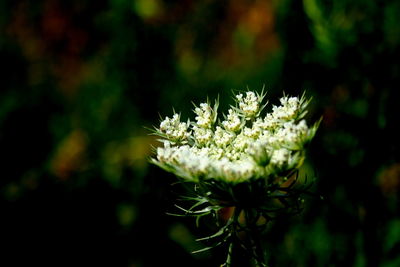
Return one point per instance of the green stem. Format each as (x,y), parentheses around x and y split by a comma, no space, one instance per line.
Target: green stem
(233,235)
(253,232)
(229,258)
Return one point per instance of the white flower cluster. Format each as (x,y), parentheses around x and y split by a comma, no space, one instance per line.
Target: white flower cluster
(250,105)
(288,109)
(204,115)
(244,146)
(232,122)
(175,130)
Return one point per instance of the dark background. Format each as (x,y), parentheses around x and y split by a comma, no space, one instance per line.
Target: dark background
(81,79)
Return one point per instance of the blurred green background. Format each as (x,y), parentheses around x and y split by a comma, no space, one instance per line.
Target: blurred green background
(81,79)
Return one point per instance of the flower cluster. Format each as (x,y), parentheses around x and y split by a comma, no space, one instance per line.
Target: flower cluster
(174,130)
(245,145)
(244,160)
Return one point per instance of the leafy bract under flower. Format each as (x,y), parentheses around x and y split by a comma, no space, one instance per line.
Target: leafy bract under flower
(246,145)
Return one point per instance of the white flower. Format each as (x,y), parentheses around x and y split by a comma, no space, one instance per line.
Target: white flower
(164,154)
(280,157)
(288,109)
(256,129)
(204,116)
(233,122)
(203,136)
(222,138)
(260,151)
(292,134)
(234,171)
(193,163)
(270,122)
(174,129)
(249,105)
(242,148)
(241,142)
